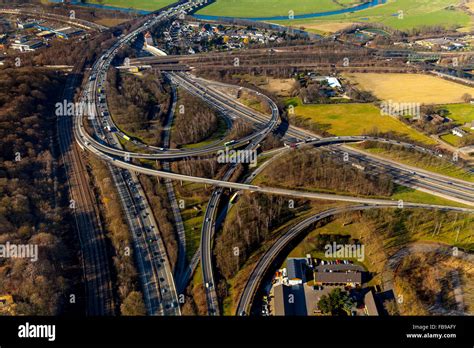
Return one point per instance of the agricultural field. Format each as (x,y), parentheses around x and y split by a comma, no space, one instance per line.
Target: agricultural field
(324,27)
(452,139)
(111,22)
(147,5)
(355,119)
(411,88)
(269,8)
(403,15)
(460,113)
(280,87)
(470,5)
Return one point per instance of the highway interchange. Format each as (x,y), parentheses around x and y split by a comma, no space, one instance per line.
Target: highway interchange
(161,296)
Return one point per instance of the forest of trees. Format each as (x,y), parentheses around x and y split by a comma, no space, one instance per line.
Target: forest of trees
(310,168)
(31,212)
(194,121)
(139,105)
(71,52)
(206,168)
(257,217)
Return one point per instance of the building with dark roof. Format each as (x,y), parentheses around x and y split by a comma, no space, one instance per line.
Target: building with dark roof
(348,278)
(62,32)
(28,46)
(67,33)
(289,300)
(296,269)
(370,304)
(26,25)
(340,268)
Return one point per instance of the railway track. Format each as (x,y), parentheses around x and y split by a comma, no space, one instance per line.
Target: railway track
(96,268)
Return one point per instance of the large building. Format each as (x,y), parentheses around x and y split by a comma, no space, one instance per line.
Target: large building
(27,46)
(338,275)
(289,300)
(347,278)
(61,32)
(296,268)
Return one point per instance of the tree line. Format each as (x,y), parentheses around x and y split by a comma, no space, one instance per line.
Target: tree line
(244,232)
(138,105)
(31,211)
(315,169)
(194,121)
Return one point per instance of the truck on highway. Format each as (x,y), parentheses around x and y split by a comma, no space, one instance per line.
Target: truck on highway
(234,196)
(229,143)
(126,137)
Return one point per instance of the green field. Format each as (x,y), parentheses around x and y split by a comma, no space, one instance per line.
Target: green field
(411,195)
(192,215)
(460,113)
(452,139)
(416,13)
(354,119)
(147,5)
(269,8)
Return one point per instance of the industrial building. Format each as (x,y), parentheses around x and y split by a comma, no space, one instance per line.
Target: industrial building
(28,46)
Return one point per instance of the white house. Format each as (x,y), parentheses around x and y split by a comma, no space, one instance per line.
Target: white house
(333,82)
(458,132)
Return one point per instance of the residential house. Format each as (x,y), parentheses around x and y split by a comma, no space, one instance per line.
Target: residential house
(458,132)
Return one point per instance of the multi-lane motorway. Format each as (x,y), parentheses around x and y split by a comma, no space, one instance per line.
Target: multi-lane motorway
(106,146)
(209,224)
(155,270)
